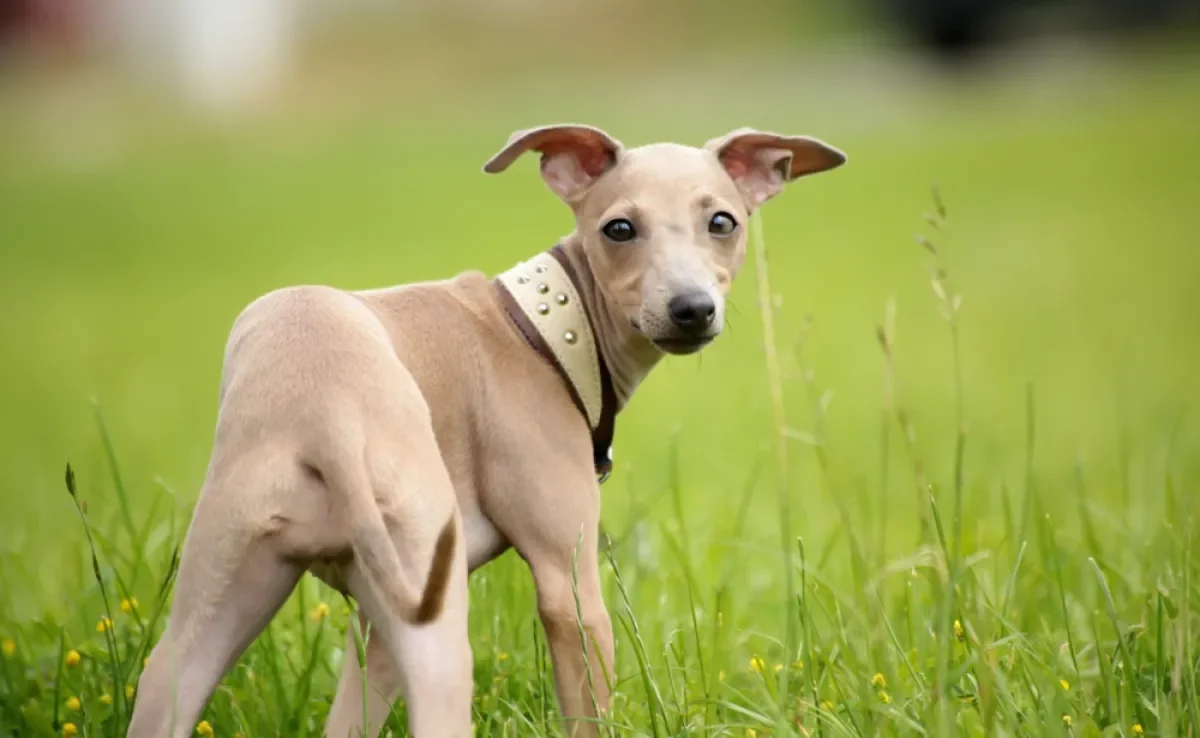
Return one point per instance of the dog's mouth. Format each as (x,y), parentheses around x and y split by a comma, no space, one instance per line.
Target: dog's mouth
(682,346)
(676,345)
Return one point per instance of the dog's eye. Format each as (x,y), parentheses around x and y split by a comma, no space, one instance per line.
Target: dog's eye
(619,230)
(722,224)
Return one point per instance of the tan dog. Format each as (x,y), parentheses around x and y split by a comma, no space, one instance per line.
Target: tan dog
(393,440)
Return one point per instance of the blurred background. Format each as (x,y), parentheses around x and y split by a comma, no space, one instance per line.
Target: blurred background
(164,162)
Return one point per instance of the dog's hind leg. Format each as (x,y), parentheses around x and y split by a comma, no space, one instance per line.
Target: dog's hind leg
(232,579)
(382,685)
(435,674)
(429,663)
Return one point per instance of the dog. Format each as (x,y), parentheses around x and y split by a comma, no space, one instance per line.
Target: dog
(393,440)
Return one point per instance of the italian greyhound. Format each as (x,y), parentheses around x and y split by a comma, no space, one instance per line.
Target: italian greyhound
(393,440)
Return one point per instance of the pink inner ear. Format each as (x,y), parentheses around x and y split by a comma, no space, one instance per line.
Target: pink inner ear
(594,159)
(752,173)
(737,162)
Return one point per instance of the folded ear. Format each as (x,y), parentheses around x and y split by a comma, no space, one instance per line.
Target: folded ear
(573,156)
(760,163)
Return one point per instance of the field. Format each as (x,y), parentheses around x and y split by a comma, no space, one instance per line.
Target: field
(972,521)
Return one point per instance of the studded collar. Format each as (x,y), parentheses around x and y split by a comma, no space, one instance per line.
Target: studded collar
(542,298)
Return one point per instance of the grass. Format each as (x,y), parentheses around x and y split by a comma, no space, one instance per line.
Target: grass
(888,501)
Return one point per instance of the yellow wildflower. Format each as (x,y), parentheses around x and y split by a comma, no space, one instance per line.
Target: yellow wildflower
(1067,720)
(958,629)
(797,664)
(69,730)
(106,698)
(129,606)
(721,675)
(129,691)
(757,664)
(73,703)
(501,656)
(104,625)
(878,680)
(884,697)
(9,647)
(73,658)
(1137,729)
(778,668)
(751,733)
(204,729)
(319,613)
(1065,685)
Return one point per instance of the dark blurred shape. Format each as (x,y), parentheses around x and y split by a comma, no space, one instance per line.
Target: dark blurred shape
(956,30)
(952,29)
(1137,14)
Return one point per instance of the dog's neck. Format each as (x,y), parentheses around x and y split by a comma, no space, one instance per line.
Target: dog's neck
(628,354)
(555,301)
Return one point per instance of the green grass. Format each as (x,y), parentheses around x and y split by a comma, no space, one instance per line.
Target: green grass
(989,517)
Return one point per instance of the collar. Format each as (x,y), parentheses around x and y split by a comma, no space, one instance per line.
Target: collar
(542,298)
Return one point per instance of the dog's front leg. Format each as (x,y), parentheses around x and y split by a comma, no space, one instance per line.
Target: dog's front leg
(581,676)
(555,528)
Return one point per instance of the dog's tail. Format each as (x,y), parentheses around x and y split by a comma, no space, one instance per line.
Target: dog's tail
(376,554)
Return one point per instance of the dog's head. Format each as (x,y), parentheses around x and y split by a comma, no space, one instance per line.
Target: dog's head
(664,226)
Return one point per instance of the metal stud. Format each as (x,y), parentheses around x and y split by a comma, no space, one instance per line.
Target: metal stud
(522,279)
(570,337)
(540,269)
(543,288)
(560,298)
(543,308)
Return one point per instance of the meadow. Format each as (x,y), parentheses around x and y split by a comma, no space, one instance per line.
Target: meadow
(949,492)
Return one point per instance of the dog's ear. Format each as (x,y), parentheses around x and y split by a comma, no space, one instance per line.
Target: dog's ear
(573,156)
(760,162)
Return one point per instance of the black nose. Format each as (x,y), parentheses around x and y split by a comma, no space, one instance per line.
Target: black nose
(693,312)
